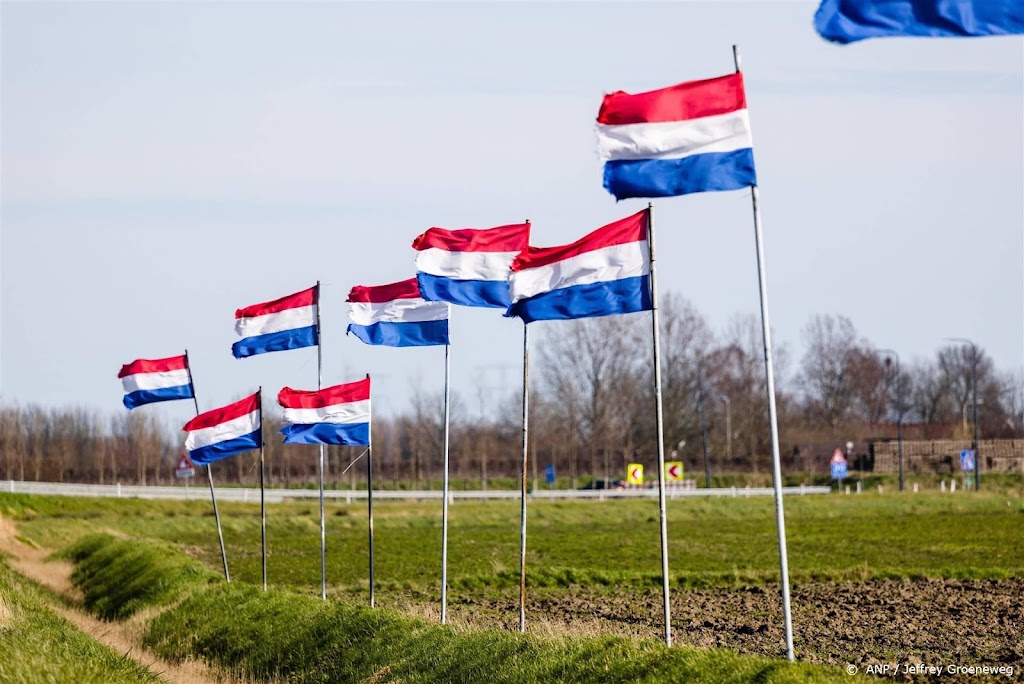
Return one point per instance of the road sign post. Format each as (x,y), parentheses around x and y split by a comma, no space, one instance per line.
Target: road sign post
(837,466)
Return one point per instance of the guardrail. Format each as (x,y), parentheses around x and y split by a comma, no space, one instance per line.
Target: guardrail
(276,495)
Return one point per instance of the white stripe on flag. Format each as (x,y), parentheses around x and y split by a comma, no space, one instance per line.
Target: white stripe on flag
(152,381)
(289,319)
(397,311)
(352,412)
(608,263)
(675,139)
(222,432)
(465,265)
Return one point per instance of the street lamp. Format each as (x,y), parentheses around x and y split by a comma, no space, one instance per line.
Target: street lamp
(899,407)
(974,402)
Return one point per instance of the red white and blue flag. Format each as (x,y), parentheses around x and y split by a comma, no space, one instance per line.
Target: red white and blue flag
(469,266)
(333,415)
(224,431)
(286,323)
(396,315)
(604,273)
(147,381)
(687,138)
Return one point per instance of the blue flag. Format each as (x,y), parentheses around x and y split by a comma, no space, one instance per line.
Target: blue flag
(847,21)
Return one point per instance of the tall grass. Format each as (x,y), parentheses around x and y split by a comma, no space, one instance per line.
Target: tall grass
(39,647)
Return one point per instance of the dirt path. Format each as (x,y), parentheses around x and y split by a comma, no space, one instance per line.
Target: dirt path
(120,637)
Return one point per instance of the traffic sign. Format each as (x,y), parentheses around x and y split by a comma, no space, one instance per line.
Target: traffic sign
(967,460)
(549,473)
(674,471)
(185,468)
(635,473)
(837,465)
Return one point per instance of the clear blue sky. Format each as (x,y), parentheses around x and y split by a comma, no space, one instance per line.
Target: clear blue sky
(166,163)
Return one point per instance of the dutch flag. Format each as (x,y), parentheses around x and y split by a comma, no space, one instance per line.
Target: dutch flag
(396,315)
(224,431)
(333,415)
(691,137)
(286,323)
(146,381)
(604,273)
(469,266)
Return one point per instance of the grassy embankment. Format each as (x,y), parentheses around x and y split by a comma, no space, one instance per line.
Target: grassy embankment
(39,647)
(721,542)
(284,635)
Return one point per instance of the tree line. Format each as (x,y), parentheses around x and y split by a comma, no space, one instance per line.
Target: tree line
(591,412)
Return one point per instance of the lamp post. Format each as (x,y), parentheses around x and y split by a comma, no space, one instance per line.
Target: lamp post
(974,402)
(899,408)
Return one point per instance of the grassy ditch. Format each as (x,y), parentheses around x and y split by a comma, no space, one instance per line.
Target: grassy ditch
(39,647)
(283,635)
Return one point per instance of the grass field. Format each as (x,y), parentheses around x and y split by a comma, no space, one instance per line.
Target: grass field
(713,542)
(862,566)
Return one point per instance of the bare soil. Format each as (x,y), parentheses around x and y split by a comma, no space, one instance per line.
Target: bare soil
(931,622)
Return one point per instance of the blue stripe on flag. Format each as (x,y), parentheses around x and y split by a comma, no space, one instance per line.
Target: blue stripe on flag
(391,334)
(489,293)
(351,434)
(605,298)
(296,338)
(215,452)
(142,397)
(847,21)
(671,177)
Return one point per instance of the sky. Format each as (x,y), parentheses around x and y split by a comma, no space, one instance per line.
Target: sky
(162,164)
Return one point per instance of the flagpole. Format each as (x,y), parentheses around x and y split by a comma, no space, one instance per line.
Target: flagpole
(522,512)
(320,386)
(263,506)
(209,475)
(780,519)
(659,428)
(369,495)
(444,507)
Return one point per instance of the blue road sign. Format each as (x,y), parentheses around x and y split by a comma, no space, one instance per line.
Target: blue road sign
(838,470)
(967,460)
(549,473)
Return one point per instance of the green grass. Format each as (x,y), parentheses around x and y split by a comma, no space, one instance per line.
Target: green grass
(283,635)
(39,647)
(713,542)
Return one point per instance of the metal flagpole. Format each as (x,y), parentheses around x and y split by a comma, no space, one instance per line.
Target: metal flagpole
(209,475)
(659,428)
(780,519)
(263,503)
(369,494)
(522,513)
(320,386)
(444,507)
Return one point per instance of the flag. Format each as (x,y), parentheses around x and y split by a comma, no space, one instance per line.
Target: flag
(396,315)
(470,266)
(225,431)
(286,323)
(606,272)
(847,21)
(146,381)
(691,137)
(333,415)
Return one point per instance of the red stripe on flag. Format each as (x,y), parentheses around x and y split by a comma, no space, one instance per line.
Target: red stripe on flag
(292,301)
(224,413)
(171,363)
(630,229)
(328,396)
(511,238)
(691,100)
(376,294)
